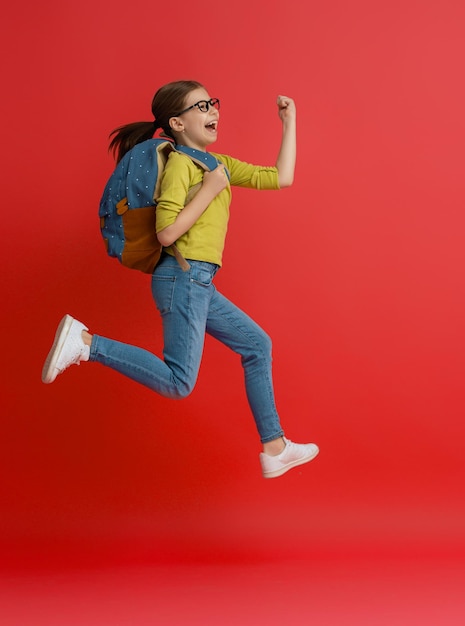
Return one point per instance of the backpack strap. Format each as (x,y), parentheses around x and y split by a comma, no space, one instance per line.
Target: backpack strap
(179,258)
(206,160)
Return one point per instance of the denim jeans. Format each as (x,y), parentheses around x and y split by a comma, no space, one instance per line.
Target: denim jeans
(191,306)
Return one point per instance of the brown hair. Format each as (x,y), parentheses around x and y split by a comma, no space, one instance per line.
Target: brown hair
(166,103)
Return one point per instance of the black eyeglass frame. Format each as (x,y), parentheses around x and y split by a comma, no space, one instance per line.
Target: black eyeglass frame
(202,105)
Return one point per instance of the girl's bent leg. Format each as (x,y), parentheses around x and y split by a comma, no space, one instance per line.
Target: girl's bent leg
(138,364)
(182,299)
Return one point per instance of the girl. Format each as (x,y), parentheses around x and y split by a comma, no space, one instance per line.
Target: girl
(188,301)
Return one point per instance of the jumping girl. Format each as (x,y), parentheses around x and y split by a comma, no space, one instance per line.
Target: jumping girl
(188,301)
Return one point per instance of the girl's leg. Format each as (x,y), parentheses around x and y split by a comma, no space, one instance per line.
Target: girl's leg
(182,299)
(227,323)
(238,331)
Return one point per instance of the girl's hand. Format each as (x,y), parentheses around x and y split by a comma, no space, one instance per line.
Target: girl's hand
(286,108)
(215,181)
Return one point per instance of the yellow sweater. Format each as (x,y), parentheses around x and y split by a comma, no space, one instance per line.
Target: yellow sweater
(204,241)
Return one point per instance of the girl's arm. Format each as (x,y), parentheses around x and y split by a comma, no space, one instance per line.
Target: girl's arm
(213,183)
(287,152)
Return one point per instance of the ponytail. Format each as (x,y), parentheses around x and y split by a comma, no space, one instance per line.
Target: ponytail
(127,136)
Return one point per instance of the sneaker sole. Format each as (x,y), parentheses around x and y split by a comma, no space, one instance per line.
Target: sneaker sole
(289,466)
(48,375)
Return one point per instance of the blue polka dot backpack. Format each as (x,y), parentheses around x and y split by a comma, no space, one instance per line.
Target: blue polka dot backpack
(127,208)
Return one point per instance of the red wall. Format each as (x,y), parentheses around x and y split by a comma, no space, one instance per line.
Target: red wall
(357,272)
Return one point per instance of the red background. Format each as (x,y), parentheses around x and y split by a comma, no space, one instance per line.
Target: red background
(357,273)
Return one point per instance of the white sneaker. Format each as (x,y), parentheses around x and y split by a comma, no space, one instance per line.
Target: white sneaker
(293,454)
(68,349)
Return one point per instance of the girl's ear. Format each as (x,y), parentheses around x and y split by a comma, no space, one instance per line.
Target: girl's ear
(176,124)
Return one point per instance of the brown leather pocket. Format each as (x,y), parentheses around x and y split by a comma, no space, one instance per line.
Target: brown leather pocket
(142,249)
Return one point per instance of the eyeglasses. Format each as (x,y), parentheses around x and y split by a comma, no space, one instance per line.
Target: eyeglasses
(202,105)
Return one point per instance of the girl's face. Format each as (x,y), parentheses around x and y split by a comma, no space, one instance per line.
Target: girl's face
(196,127)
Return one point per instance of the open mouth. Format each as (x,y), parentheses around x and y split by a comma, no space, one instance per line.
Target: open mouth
(212,126)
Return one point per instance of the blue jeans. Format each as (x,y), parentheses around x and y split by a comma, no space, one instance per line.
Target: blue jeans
(190,306)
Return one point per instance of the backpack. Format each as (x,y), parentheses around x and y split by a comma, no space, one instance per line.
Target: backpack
(127,207)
